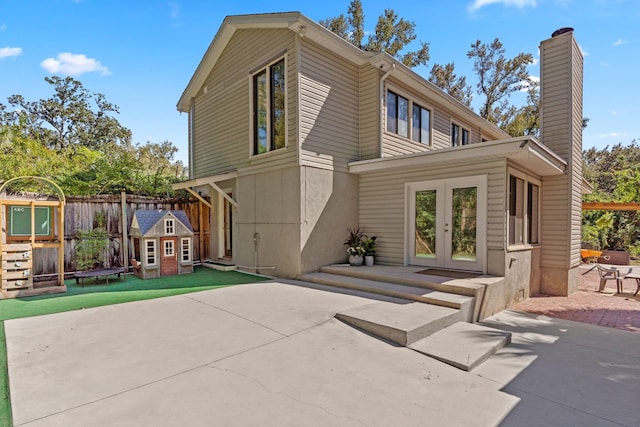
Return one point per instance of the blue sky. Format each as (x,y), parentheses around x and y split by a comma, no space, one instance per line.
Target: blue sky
(141,54)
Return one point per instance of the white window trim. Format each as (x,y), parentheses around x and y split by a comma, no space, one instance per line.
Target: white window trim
(182,241)
(169,244)
(267,64)
(146,252)
(412,100)
(528,179)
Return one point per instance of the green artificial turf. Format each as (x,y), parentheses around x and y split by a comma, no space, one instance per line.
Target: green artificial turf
(98,293)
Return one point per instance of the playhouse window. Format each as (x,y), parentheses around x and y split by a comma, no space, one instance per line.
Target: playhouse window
(524,203)
(151,252)
(169,226)
(185,242)
(168,248)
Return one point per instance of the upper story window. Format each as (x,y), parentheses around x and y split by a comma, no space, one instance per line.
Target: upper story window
(524,203)
(459,135)
(269,119)
(417,126)
(169,226)
(421,124)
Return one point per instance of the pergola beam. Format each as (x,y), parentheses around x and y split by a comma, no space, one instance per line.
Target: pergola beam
(610,206)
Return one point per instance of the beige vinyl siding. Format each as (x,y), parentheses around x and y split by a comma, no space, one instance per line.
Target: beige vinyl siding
(370,114)
(441,130)
(329,125)
(222,125)
(383,204)
(562,132)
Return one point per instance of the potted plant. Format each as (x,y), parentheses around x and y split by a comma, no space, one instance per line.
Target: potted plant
(369,245)
(355,250)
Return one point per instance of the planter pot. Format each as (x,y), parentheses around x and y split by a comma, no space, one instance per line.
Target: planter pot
(368,260)
(355,260)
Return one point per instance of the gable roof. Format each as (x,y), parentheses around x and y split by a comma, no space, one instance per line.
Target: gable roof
(148,219)
(307,28)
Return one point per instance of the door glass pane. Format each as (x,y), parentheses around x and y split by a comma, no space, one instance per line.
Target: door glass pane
(425,224)
(464,221)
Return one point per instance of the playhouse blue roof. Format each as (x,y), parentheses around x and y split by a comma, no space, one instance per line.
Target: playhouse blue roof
(147,219)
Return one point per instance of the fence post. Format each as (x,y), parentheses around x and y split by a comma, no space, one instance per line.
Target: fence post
(125,237)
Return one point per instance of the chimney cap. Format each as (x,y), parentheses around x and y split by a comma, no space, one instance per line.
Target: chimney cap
(562,31)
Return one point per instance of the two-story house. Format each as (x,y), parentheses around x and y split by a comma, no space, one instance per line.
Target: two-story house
(296,135)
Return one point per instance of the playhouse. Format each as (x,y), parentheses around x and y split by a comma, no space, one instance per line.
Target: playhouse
(162,243)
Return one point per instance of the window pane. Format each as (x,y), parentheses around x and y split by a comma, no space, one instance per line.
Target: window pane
(392,111)
(465,137)
(278,121)
(516,211)
(415,123)
(455,130)
(532,213)
(403,116)
(260,113)
(425,238)
(425,126)
(464,218)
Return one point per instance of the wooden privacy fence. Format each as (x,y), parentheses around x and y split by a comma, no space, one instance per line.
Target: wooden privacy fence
(82,214)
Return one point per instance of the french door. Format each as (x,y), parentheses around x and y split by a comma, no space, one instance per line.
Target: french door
(446,223)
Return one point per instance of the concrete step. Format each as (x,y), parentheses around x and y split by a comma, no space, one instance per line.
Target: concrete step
(412,293)
(403,324)
(463,345)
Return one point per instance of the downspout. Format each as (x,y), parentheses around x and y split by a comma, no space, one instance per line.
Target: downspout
(382,79)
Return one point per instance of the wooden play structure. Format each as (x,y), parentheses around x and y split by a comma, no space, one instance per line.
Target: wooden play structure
(28,226)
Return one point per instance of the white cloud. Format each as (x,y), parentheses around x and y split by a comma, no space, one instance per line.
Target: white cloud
(533,80)
(613,135)
(614,113)
(478,4)
(3,27)
(584,51)
(73,64)
(620,42)
(604,63)
(6,52)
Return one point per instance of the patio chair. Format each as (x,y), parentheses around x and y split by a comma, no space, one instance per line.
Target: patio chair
(610,273)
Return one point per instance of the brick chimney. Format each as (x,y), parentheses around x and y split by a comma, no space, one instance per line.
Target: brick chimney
(561,66)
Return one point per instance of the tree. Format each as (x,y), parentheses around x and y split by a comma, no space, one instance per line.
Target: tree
(445,78)
(614,173)
(392,34)
(498,77)
(72,116)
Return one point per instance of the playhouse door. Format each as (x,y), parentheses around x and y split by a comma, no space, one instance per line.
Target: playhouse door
(169,259)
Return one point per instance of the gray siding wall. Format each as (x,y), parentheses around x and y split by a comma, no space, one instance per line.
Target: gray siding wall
(329,113)
(222,125)
(382,208)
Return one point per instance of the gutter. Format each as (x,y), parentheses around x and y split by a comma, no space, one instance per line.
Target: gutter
(382,121)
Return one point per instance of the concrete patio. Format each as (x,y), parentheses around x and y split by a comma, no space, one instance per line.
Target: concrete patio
(273,354)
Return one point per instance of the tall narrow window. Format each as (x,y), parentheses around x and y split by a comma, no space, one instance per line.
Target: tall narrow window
(524,202)
(269,100)
(150,248)
(186,249)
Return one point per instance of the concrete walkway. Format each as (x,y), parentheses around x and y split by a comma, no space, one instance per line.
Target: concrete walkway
(272,354)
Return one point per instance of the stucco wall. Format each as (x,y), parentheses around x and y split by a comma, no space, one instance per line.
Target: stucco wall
(329,206)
